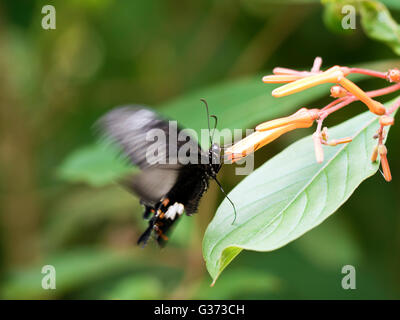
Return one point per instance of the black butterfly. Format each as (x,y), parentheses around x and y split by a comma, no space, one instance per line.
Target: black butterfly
(165,186)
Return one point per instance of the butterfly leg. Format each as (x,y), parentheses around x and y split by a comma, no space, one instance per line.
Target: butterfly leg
(165,214)
(155,223)
(146,235)
(147,212)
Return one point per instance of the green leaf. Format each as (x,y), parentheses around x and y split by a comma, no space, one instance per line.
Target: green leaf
(238,284)
(392,4)
(333,17)
(344,250)
(136,287)
(287,2)
(84,208)
(96,164)
(290,194)
(74,269)
(376,19)
(379,24)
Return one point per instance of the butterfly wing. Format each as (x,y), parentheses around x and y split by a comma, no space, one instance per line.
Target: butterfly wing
(132,128)
(146,138)
(153,183)
(151,143)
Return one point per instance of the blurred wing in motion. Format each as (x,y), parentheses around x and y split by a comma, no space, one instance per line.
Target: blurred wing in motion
(166,187)
(152,183)
(138,129)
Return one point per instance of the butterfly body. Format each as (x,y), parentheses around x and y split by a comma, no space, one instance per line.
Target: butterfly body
(167,188)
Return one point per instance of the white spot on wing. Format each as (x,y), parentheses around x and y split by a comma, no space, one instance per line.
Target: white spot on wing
(180,208)
(176,208)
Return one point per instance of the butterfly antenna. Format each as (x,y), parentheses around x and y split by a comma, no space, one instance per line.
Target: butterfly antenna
(223,191)
(215,125)
(208,118)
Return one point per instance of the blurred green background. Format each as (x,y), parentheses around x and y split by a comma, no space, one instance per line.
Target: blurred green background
(55,83)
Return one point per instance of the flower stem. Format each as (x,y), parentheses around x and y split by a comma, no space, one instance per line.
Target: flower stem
(342,102)
(368,72)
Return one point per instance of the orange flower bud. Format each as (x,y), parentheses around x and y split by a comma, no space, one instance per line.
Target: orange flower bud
(255,141)
(281,78)
(374,155)
(332,75)
(374,106)
(319,152)
(386,169)
(338,92)
(385,163)
(303,118)
(340,141)
(386,120)
(393,75)
(382,149)
(324,134)
(279,70)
